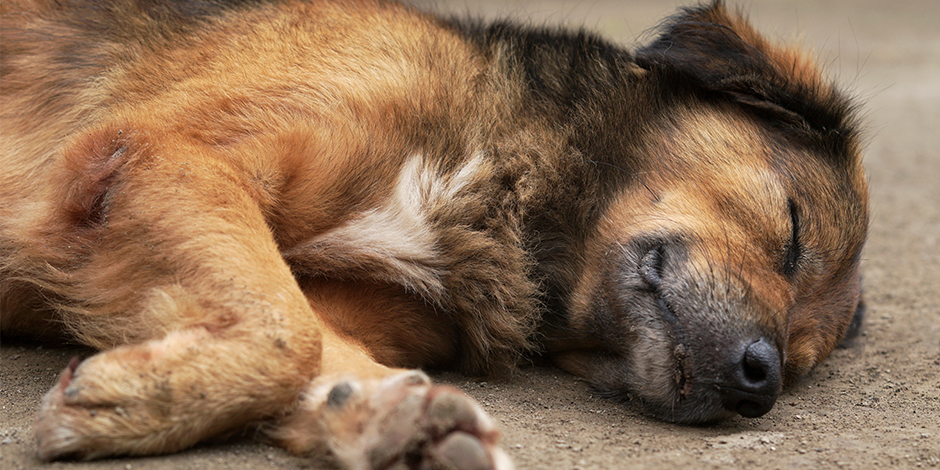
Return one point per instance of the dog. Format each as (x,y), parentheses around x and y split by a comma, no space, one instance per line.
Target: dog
(277,211)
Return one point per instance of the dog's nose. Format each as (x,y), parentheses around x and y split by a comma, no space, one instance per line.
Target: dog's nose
(752,380)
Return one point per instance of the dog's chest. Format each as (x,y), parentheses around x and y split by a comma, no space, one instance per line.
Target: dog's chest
(397,240)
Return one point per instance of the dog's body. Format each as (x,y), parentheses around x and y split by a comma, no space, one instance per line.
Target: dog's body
(260,210)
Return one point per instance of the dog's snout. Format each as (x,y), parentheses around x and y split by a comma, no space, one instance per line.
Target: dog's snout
(753,379)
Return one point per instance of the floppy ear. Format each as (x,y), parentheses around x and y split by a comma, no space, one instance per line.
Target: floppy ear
(716,51)
(709,45)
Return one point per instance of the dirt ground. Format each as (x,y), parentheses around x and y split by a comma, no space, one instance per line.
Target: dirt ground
(873,405)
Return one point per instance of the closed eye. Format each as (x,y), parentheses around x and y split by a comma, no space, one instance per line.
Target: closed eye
(794,250)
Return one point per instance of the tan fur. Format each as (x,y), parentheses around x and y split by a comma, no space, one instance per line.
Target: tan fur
(261,213)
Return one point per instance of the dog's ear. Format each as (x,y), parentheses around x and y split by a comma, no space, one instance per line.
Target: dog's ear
(717,51)
(710,45)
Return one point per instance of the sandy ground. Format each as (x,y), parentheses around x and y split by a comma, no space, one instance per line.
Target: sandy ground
(873,405)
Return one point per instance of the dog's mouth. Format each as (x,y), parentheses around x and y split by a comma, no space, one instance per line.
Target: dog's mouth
(684,375)
(651,272)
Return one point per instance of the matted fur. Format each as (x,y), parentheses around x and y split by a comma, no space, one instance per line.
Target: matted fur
(240,201)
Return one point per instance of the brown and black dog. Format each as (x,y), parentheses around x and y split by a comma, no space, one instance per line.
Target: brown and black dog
(267,211)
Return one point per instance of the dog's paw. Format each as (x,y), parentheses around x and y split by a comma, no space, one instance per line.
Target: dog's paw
(76,416)
(98,408)
(398,422)
(133,400)
(53,429)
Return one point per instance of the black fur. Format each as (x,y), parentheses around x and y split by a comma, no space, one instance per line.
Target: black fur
(696,49)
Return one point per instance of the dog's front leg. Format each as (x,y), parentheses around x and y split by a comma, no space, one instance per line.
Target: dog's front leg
(160,250)
(367,416)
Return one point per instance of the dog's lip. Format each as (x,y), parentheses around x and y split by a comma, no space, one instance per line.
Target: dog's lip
(684,370)
(680,353)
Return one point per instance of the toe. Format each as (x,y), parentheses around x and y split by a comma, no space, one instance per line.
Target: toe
(462,451)
(450,409)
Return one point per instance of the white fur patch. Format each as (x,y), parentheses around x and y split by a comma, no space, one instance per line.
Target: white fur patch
(397,234)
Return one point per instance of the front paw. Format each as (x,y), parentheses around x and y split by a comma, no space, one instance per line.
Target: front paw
(98,408)
(65,423)
(126,401)
(402,421)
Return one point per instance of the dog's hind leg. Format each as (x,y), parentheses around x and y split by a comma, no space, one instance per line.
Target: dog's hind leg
(159,249)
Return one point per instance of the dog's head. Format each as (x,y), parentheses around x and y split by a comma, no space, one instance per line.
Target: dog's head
(729,265)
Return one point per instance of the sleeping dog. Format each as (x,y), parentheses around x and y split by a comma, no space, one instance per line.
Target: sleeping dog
(275,211)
